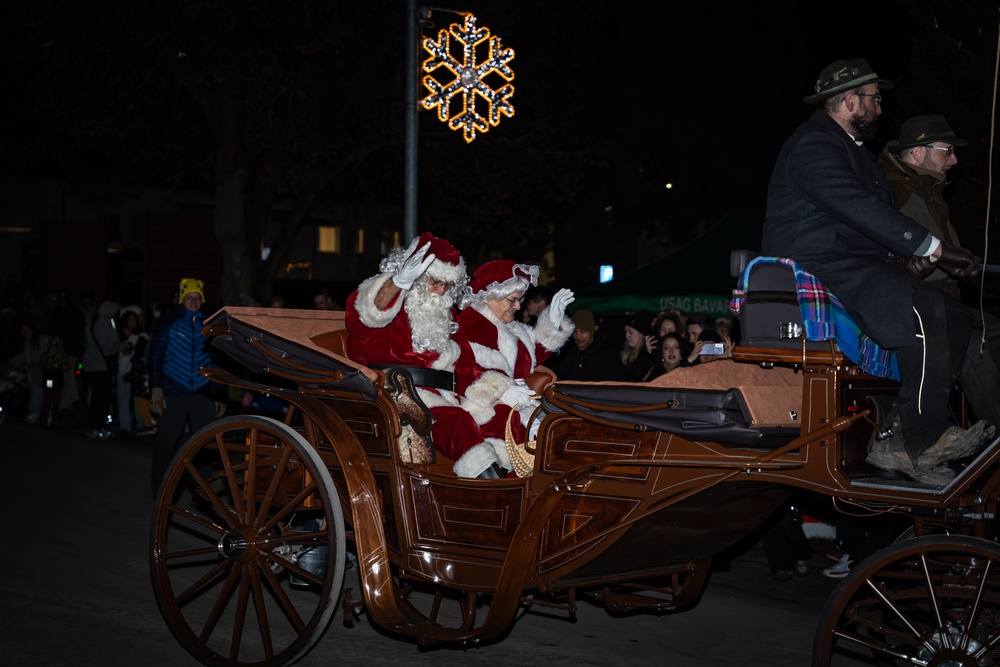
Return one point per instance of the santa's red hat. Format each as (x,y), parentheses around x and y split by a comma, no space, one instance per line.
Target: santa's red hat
(502,276)
(448,265)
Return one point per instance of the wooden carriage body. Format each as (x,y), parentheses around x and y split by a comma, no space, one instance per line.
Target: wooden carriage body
(634,489)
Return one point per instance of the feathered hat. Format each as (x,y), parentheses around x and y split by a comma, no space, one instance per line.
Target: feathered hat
(502,277)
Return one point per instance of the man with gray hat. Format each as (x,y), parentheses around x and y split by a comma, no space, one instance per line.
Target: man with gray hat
(916,166)
(829,208)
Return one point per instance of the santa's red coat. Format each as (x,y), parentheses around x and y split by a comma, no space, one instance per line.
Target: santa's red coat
(386,339)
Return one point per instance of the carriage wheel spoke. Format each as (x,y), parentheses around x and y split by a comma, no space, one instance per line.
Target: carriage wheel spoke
(223,583)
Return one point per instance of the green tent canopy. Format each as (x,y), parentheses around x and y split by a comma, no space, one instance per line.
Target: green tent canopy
(694,279)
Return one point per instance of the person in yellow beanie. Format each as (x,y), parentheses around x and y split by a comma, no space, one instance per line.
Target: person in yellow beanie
(179,394)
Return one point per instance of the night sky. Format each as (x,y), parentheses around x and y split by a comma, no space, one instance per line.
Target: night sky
(612,101)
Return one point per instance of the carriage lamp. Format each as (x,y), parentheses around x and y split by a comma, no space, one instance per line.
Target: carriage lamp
(461,81)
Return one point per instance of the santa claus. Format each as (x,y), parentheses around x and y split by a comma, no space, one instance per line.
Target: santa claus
(404,317)
(503,351)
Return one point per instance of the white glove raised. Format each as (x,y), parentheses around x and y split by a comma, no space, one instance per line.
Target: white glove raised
(413,267)
(518,395)
(557,307)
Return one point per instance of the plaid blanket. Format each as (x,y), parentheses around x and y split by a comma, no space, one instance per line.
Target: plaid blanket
(824,317)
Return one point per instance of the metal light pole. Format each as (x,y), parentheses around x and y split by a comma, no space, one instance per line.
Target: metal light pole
(410,186)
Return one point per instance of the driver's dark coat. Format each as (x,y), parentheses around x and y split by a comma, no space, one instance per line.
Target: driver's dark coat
(829,207)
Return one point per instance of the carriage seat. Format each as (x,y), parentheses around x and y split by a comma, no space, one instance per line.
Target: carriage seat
(773,297)
(718,415)
(770,316)
(335,341)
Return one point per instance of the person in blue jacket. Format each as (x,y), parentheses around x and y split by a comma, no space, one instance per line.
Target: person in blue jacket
(179,395)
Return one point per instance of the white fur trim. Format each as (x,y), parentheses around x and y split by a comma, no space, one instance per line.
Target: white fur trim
(484,393)
(447,357)
(368,313)
(436,398)
(477,459)
(450,273)
(500,448)
(549,335)
(508,336)
(487,357)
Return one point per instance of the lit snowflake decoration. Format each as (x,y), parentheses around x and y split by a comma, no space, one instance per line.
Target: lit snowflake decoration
(468,78)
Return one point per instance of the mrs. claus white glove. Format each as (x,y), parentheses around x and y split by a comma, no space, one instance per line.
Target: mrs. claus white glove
(557,307)
(518,395)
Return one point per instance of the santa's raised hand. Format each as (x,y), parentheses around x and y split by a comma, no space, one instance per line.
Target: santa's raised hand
(413,267)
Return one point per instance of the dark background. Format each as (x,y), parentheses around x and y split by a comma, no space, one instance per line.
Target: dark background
(304,100)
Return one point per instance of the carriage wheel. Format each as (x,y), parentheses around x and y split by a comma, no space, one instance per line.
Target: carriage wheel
(247,544)
(932,600)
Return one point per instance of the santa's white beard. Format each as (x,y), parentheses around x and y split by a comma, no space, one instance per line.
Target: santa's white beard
(431,324)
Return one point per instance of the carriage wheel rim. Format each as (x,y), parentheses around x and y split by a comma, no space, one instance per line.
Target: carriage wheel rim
(222,575)
(931,600)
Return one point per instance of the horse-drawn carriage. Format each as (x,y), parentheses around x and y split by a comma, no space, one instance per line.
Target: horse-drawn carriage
(631,491)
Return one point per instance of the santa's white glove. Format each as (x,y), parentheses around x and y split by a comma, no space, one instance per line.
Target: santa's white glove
(413,267)
(519,395)
(557,307)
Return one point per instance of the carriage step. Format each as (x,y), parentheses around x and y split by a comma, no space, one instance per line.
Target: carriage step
(904,483)
(900,482)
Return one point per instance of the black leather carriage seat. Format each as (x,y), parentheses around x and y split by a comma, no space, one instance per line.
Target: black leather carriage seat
(770,316)
(718,415)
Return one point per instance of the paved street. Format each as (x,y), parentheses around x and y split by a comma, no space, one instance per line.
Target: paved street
(76,591)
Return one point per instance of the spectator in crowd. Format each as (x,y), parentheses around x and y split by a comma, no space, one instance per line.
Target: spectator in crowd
(855,540)
(140,389)
(323,300)
(25,364)
(53,369)
(721,348)
(727,327)
(635,356)
(70,327)
(277,301)
(673,353)
(669,321)
(502,352)
(917,166)
(180,396)
(10,334)
(589,358)
(100,367)
(696,324)
(785,545)
(129,332)
(535,300)
(830,209)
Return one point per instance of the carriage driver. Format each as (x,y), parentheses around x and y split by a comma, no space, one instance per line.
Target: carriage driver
(405,316)
(830,209)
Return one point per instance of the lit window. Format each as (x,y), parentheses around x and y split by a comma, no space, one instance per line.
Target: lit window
(390,240)
(329,239)
(359,246)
